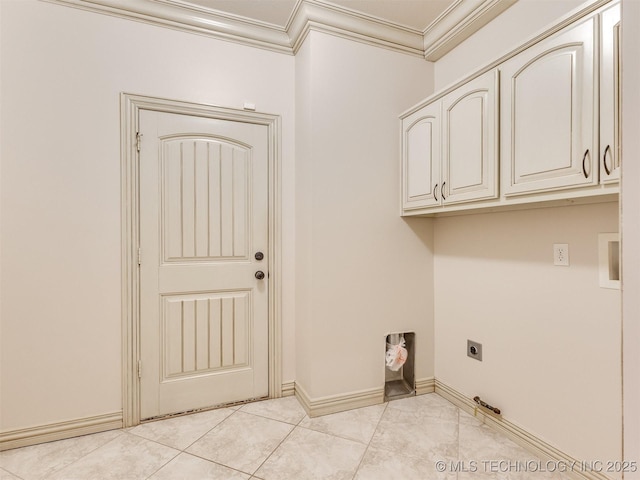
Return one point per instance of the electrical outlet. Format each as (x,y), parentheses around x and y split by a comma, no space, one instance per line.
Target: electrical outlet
(474,350)
(561,254)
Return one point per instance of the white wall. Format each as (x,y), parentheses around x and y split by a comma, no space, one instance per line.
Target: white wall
(551,336)
(369,271)
(362,271)
(62,72)
(630,229)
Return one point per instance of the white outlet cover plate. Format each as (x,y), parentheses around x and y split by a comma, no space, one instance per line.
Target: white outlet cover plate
(561,254)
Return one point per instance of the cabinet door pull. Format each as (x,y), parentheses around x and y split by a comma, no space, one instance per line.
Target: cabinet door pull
(604,160)
(435,193)
(584,164)
(442,191)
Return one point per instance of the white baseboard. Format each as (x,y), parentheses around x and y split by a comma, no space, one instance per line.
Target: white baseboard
(425,385)
(523,438)
(60,431)
(316,407)
(288,389)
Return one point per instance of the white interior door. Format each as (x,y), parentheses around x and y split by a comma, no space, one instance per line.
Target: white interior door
(203,220)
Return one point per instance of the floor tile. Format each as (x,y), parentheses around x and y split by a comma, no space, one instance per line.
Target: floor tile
(39,461)
(127,457)
(494,456)
(4,475)
(413,433)
(358,425)
(430,405)
(188,467)
(382,464)
(422,437)
(286,409)
(243,441)
(481,443)
(310,455)
(180,432)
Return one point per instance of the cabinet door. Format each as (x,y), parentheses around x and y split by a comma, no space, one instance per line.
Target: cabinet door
(470,147)
(421,157)
(548,102)
(610,96)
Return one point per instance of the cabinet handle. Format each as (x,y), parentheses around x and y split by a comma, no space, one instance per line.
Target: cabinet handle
(435,193)
(584,164)
(442,191)
(604,160)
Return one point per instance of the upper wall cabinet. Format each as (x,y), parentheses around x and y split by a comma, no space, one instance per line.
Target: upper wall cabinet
(470,141)
(610,95)
(549,105)
(549,111)
(421,144)
(450,147)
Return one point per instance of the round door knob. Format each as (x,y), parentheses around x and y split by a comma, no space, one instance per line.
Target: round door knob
(259,256)
(259,275)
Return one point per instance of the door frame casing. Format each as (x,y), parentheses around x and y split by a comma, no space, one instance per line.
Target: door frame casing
(130,106)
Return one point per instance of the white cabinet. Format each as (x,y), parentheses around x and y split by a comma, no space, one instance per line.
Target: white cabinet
(549,114)
(450,147)
(610,95)
(421,157)
(470,141)
(549,111)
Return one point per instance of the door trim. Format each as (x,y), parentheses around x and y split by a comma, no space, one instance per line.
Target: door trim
(130,106)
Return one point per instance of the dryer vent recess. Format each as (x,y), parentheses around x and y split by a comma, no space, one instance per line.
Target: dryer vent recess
(400,383)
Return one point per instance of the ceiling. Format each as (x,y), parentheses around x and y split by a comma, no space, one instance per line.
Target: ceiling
(416,14)
(428,28)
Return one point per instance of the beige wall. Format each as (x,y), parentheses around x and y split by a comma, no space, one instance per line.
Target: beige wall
(551,335)
(630,229)
(62,73)
(353,269)
(362,271)
(369,272)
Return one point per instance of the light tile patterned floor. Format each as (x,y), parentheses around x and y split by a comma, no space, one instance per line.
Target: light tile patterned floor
(409,439)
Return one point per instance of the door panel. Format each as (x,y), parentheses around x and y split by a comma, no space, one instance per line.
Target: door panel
(204,203)
(421,157)
(203,215)
(610,131)
(549,113)
(470,146)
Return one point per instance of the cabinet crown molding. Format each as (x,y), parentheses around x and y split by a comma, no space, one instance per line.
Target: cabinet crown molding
(458,22)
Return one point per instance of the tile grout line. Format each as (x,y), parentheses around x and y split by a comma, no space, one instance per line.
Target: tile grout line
(195,455)
(55,472)
(370,440)
(166,463)
(458,452)
(210,430)
(184,450)
(279,444)
(273,451)
(11,473)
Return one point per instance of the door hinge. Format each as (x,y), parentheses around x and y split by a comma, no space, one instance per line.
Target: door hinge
(139,256)
(138,138)
(139,368)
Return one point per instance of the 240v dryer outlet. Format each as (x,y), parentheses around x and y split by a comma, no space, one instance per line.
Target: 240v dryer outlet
(474,350)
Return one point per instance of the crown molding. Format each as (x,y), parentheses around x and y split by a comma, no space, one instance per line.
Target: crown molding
(461,20)
(179,16)
(318,15)
(456,24)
